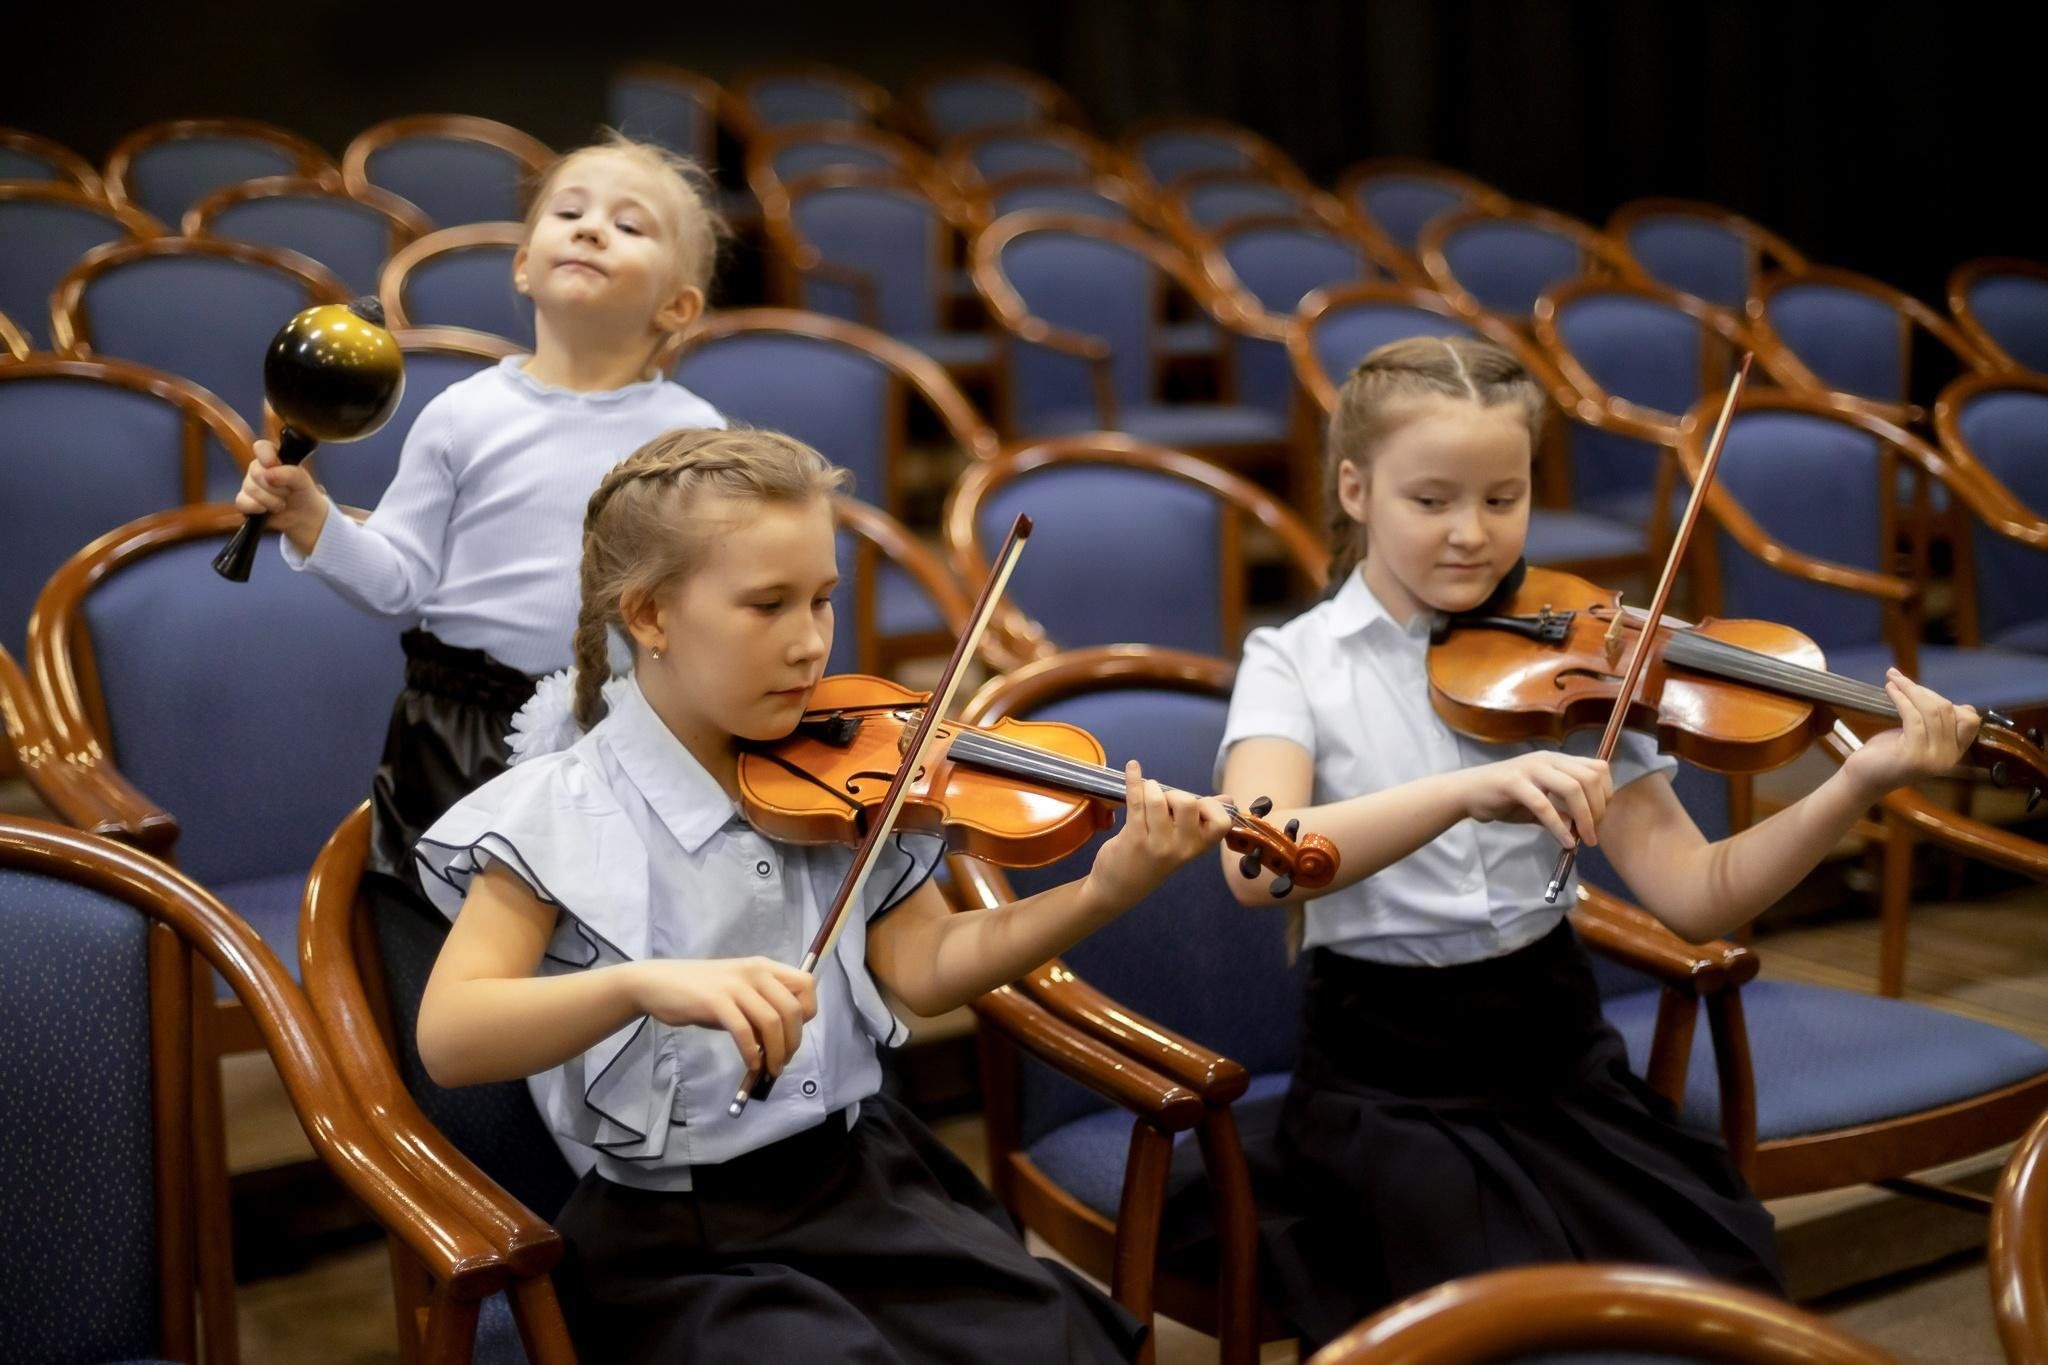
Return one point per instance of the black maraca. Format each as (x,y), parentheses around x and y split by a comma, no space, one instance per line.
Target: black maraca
(332,374)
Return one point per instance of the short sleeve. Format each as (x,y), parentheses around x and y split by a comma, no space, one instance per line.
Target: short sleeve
(1270,699)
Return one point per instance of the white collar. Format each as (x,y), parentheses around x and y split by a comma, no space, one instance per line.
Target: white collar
(1356,608)
(686,797)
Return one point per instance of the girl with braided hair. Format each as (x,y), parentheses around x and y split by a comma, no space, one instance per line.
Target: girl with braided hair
(476,539)
(623,937)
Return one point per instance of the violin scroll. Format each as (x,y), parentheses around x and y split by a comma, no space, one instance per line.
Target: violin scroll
(1300,860)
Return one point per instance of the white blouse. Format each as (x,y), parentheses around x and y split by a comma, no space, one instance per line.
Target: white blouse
(1350,685)
(645,856)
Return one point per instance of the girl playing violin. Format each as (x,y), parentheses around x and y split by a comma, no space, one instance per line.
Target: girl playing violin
(1459,1103)
(621,936)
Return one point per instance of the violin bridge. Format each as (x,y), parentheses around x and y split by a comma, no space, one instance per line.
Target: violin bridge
(1612,640)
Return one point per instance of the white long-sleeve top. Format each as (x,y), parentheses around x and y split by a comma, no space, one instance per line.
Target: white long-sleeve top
(480,533)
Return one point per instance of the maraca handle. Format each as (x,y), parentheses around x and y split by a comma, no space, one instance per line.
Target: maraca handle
(239,554)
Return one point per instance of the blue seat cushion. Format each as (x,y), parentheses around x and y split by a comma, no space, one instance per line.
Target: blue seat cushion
(954,348)
(1828,1059)
(2004,679)
(497,1334)
(902,606)
(1178,426)
(1197,337)
(1558,535)
(1086,1156)
(270,905)
(2030,637)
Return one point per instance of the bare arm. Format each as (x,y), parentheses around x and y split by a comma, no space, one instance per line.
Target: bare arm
(486,1017)
(1702,891)
(935,960)
(1380,828)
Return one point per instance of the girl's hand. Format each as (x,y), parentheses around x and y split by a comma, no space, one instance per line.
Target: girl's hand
(762,1003)
(297,507)
(1557,791)
(1162,829)
(1933,735)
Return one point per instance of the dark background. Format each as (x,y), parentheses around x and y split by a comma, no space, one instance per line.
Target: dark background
(1894,138)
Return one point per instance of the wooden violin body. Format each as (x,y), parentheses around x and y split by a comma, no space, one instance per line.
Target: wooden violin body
(1017,793)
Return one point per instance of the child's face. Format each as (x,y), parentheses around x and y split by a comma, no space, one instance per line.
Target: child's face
(1445,505)
(604,247)
(747,632)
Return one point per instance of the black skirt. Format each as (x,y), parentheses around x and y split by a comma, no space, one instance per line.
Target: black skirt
(870,1244)
(1445,1121)
(446,739)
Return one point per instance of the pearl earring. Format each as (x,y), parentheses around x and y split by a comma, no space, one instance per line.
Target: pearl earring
(657,653)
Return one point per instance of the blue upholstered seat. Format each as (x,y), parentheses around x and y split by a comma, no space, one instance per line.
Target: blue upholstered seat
(2014,310)
(1851,341)
(961,104)
(1559,535)
(1169,154)
(44,240)
(1058,196)
(1012,153)
(1213,202)
(1345,335)
(453,180)
(829,395)
(803,99)
(895,238)
(2006,429)
(1505,263)
(1402,205)
(348,237)
(1279,264)
(28,163)
(1694,255)
(166,178)
(143,309)
(471,287)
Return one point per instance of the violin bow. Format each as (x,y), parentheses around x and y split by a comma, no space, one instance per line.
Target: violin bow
(756,1082)
(1632,677)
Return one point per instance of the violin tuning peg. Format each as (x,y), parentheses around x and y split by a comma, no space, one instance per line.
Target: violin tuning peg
(1261,806)
(2034,735)
(2000,774)
(1282,884)
(2033,800)
(1249,865)
(1293,828)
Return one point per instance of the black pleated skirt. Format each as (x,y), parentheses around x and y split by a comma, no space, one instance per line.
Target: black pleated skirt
(1444,1121)
(873,1244)
(446,739)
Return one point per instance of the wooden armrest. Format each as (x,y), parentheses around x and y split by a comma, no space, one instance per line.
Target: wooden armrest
(1215,1078)
(528,1243)
(1633,936)
(1109,1073)
(89,793)
(1927,820)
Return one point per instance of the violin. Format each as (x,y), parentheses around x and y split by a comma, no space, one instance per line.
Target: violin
(1017,793)
(1732,696)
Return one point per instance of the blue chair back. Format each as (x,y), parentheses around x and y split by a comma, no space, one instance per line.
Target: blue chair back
(350,238)
(1098,575)
(78,1232)
(1781,466)
(652,110)
(1853,342)
(143,310)
(833,397)
(1188,956)
(893,236)
(2014,310)
(1280,264)
(1693,255)
(965,103)
(1505,262)
(471,287)
(356,473)
(452,180)
(1168,155)
(820,154)
(23,163)
(44,240)
(802,99)
(996,157)
(253,712)
(1345,335)
(1058,196)
(1639,349)
(168,177)
(2007,430)
(78,457)
(1212,203)
(1402,205)
(1086,284)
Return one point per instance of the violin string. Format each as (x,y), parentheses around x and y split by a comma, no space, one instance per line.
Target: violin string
(1749,665)
(1093,779)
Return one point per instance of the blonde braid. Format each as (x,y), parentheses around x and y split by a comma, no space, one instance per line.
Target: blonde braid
(637,535)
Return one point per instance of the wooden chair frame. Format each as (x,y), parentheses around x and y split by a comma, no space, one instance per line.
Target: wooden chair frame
(873,100)
(192,936)
(1532,1310)
(1262,156)
(2018,1253)
(14,344)
(1315,206)
(405,222)
(1398,260)
(310,161)
(1055,106)
(911,161)
(1960,282)
(1100,160)
(74,169)
(467,237)
(1768,252)
(1022,638)
(70,318)
(204,414)
(536,156)
(797,260)
(979,201)
(1948,434)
